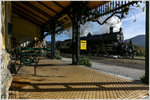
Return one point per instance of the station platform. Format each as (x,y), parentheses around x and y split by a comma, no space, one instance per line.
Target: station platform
(59,80)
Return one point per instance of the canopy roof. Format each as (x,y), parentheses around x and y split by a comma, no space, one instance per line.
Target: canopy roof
(43,12)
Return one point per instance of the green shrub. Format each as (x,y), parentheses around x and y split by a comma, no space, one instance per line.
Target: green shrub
(141,50)
(85,61)
(144,80)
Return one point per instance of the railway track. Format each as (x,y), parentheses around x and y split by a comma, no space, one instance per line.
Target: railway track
(136,63)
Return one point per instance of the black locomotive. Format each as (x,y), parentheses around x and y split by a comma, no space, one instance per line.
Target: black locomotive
(102,45)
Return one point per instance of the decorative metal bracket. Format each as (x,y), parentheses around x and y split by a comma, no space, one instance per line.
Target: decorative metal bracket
(112,7)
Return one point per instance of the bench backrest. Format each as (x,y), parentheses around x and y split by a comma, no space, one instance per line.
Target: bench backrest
(34,51)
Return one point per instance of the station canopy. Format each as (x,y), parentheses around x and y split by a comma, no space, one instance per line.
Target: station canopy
(43,13)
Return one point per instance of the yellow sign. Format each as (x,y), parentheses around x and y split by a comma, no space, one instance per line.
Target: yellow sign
(83,44)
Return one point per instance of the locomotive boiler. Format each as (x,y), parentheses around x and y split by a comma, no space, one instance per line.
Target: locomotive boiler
(107,44)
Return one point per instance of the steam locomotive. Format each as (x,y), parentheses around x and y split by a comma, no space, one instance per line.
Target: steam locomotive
(107,44)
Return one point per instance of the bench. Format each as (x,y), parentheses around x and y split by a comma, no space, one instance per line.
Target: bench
(31,56)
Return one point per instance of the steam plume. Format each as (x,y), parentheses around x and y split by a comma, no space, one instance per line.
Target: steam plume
(95,28)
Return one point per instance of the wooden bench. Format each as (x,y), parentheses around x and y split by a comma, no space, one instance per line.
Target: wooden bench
(31,56)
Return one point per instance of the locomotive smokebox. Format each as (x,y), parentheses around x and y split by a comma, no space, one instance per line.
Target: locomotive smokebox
(111,29)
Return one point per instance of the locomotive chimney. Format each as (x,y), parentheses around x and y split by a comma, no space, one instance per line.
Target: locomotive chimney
(111,29)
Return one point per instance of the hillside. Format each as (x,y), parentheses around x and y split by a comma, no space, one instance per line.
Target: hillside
(138,40)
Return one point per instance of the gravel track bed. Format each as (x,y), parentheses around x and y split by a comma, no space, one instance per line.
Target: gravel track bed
(126,72)
(136,63)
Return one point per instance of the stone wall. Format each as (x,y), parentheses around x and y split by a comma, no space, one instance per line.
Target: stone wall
(6,77)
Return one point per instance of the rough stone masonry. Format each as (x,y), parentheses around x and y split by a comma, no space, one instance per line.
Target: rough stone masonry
(6,77)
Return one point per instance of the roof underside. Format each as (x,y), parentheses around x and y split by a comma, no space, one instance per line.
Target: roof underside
(43,12)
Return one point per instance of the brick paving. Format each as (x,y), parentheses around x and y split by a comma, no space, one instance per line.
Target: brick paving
(59,80)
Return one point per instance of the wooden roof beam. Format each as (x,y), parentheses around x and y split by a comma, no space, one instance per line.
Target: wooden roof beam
(29,12)
(64,11)
(47,7)
(27,18)
(58,4)
(36,9)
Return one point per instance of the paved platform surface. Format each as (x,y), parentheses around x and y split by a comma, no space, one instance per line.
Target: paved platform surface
(59,80)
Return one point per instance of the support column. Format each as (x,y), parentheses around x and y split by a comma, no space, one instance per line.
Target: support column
(53,42)
(73,43)
(147,43)
(76,34)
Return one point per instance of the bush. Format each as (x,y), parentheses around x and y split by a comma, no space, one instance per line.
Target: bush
(85,61)
(144,80)
(140,50)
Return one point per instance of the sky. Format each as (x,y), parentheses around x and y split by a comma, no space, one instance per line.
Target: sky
(130,28)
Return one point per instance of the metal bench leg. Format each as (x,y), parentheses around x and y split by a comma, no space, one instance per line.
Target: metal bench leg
(15,61)
(14,67)
(35,68)
(18,69)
